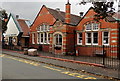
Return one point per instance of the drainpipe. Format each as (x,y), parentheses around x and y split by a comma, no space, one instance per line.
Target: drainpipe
(74,42)
(118,39)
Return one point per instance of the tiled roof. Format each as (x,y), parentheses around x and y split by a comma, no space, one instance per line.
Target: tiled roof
(110,19)
(61,15)
(116,16)
(24,27)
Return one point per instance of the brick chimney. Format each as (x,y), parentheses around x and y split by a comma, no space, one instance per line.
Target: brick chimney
(67,13)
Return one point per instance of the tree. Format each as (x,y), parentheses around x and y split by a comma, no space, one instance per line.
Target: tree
(103,9)
(3,16)
(3,25)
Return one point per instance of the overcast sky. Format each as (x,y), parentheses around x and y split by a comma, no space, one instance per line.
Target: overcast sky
(29,10)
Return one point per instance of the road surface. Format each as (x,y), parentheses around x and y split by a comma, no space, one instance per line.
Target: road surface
(18,68)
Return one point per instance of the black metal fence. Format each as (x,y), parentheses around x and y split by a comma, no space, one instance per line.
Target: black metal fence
(104,55)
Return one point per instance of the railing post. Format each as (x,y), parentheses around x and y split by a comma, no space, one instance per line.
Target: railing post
(103,55)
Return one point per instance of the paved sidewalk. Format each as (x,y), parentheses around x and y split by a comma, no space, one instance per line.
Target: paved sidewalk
(67,64)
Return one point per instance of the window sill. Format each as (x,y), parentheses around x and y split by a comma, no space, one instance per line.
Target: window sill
(79,43)
(106,44)
(88,44)
(94,44)
(45,43)
(58,45)
(33,43)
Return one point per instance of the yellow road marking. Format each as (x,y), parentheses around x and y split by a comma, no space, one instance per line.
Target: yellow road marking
(24,61)
(2,55)
(81,76)
(78,75)
(65,72)
(51,68)
(90,78)
(71,74)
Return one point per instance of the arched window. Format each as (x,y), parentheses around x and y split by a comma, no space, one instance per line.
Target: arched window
(38,28)
(58,39)
(92,26)
(91,29)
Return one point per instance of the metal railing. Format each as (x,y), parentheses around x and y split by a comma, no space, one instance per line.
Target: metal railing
(105,55)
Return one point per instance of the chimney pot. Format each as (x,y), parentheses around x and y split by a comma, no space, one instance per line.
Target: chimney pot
(81,14)
(17,16)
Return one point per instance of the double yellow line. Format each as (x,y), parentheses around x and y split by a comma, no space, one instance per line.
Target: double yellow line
(71,74)
(63,72)
(1,55)
(22,60)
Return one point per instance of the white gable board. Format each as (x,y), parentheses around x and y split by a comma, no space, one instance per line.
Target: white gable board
(12,29)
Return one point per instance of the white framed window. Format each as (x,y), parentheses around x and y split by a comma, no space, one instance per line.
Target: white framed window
(42,28)
(105,40)
(88,27)
(44,34)
(58,39)
(48,28)
(33,38)
(79,38)
(41,38)
(38,29)
(88,38)
(92,27)
(48,38)
(38,38)
(92,38)
(92,33)
(95,38)
(45,38)
(95,26)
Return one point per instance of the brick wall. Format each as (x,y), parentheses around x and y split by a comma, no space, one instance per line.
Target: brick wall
(111,27)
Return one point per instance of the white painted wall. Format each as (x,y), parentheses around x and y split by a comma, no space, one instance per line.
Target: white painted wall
(12,28)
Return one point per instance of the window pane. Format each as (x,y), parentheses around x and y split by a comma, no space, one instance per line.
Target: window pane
(95,26)
(80,35)
(48,38)
(38,38)
(105,38)
(88,37)
(38,28)
(48,27)
(57,39)
(88,27)
(60,39)
(41,37)
(95,37)
(45,27)
(106,34)
(80,38)
(45,37)
(42,28)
